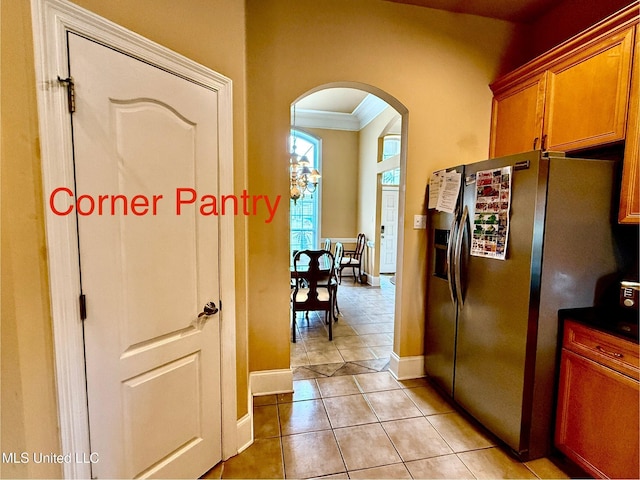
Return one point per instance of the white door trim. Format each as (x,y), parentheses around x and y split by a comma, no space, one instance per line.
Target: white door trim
(52,19)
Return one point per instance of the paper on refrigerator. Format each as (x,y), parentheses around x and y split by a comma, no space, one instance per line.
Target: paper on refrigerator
(444,190)
(434,188)
(490,233)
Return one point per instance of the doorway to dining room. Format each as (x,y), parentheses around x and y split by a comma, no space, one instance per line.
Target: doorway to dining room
(353,128)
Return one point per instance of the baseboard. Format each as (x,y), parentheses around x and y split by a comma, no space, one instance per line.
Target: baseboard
(269,382)
(245,431)
(265,382)
(405,368)
(373,281)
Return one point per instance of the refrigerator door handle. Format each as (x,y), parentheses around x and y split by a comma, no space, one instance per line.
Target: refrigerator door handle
(458,254)
(452,237)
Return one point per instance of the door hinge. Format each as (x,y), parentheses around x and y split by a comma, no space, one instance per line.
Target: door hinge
(83,307)
(71,92)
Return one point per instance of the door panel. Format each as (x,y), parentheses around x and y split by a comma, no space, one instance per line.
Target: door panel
(172,137)
(441,314)
(516,118)
(594,80)
(590,429)
(441,322)
(493,323)
(148,266)
(173,390)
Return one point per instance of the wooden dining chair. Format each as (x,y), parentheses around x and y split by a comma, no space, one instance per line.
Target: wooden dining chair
(314,271)
(353,259)
(338,253)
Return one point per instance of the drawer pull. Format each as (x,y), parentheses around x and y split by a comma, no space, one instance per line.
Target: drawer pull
(606,352)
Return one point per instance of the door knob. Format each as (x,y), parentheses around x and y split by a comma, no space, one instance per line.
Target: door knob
(209,309)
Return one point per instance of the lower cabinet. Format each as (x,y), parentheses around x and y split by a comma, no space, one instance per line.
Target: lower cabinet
(597,423)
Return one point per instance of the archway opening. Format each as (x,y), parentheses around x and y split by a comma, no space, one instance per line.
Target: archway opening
(357,127)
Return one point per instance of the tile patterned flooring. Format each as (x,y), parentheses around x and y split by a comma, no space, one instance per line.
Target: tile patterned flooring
(362,336)
(349,418)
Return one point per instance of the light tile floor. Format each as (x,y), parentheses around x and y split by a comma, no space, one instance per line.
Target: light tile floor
(349,418)
(362,337)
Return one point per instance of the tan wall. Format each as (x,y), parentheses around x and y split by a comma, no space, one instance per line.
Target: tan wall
(437,64)
(208,31)
(339,182)
(29,405)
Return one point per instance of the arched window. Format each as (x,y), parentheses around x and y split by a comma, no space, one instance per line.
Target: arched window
(304,216)
(390,146)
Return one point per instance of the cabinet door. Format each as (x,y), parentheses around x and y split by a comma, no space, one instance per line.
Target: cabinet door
(597,418)
(516,118)
(587,94)
(630,194)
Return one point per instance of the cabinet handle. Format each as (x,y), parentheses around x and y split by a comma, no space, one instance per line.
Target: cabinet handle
(535,143)
(606,352)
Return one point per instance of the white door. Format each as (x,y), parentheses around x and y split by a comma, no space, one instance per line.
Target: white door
(388,229)
(152,364)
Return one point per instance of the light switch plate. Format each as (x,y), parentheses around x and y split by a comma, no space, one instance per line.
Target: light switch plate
(419,222)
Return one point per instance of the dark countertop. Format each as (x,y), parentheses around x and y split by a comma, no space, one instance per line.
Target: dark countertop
(615,320)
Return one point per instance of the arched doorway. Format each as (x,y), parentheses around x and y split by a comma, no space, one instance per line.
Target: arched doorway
(350,121)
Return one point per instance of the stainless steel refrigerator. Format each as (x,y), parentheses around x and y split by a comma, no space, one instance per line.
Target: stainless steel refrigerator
(492,325)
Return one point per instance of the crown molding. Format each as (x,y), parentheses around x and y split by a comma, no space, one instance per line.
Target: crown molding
(362,115)
(327,120)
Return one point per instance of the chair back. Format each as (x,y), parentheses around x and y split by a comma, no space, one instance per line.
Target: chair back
(327,244)
(314,267)
(338,253)
(357,253)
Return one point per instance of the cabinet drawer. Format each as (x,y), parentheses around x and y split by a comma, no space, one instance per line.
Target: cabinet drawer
(616,353)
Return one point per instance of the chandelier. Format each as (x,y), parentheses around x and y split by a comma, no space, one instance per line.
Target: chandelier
(303,177)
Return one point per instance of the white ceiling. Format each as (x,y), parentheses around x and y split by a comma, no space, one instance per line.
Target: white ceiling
(351,109)
(337,109)
(341,100)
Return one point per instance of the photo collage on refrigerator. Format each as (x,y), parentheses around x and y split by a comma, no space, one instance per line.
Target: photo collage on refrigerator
(491,218)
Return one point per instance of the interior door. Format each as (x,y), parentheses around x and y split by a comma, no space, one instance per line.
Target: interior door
(148,264)
(389,229)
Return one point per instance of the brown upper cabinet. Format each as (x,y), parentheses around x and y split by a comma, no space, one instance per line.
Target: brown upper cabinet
(573,97)
(587,95)
(518,111)
(630,192)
